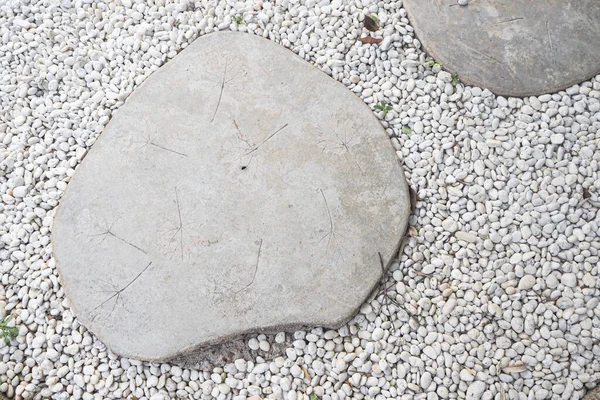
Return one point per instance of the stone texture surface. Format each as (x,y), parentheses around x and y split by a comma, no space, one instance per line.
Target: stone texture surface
(239,189)
(516,47)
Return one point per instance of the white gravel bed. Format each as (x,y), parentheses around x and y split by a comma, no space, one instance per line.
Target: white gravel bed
(496,293)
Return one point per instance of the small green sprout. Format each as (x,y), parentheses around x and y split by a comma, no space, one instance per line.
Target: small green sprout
(407,130)
(437,64)
(383,106)
(455,80)
(238,19)
(8,332)
(313,396)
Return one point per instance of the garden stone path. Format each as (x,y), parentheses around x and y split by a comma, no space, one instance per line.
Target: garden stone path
(239,189)
(515,47)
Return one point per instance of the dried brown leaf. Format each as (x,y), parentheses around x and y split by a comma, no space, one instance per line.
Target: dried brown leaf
(370,39)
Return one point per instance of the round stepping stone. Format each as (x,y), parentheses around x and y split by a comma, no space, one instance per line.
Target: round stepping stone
(515,47)
(239,189)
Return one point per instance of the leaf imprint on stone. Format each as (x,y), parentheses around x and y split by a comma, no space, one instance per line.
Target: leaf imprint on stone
(339,144)
(118,295)
(182,235)
(331,241)
(229,74)
(150,140)
(109,233)
(231,287)
(245,151)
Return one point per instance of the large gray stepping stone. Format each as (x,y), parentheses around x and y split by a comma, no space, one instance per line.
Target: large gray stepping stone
(239,189)
(512,47)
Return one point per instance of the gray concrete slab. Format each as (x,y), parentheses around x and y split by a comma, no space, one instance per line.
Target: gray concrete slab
(239,189)
(514,48)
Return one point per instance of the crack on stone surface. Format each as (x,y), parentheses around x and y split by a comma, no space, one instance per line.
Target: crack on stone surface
(119,293)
